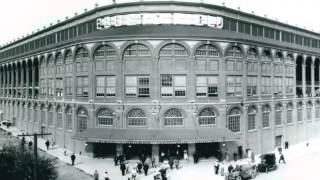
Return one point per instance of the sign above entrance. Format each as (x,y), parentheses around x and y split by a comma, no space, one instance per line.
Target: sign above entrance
(159,18)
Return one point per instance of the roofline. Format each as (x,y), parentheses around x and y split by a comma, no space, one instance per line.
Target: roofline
(116,5)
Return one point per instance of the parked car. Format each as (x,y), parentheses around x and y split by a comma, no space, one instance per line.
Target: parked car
(268,162)
(246,171)
(5,123)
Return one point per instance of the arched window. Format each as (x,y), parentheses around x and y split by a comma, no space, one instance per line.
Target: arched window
(102,57)
(289,113)
(266,116)
(59,117)
(252,113)
(206,58)
(82,119)
(173,56)
(299,112)
(309,111)
(43,115)
(252,53)
(136,118)
(36,113)
(289,59)
(317,110)
(69,119)
(278,120)
(136,50)
(50,115)
(207,117)
(105,117)
(68,61)
(278,57)
(266,55)
(252,64)
(25,111)
(82,60)
(234,61)
(59,63)
(50,65)
(173,117)
(234,118)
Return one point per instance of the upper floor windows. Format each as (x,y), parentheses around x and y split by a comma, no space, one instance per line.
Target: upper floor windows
(59,64)
(207,86)
(82,60)
(105,117)
(233,85)
(137,118)
(137,86)
(82,116)
(105,86)
(50,65)
(234,117)
(266,55)
(173,117)
(173,85)
(68,62)
(102,58)
(206,58)
(207,117)
(173,50)
(136,50)
(234,51)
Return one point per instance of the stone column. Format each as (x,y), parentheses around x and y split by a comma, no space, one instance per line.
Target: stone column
(155,152)
(33,79)
(27,80)
(17,80)
(304,75)
(8,80)
(21,79)
(191,151)
(312,77)
(272,123)
(295,55)
(12,81)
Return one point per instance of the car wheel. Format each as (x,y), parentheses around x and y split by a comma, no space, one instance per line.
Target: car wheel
(238,178)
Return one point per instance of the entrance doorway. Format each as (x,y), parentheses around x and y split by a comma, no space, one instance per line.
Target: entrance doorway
(133,151)
(175,150)
(104,149)
(206,150)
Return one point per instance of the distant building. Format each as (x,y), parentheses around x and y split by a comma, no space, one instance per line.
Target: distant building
(158,78)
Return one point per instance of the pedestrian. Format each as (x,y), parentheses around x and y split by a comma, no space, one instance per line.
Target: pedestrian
(96,175)
(73,158)
(65,151)
(30,145)
(230,168)
(47,143)
(139,167)
(106,176)
(171,162)
(115,160)
(153,162)
(145,169)
(162,156)
(235,156)
(185,155)
(123,169)
(176,163)
(281,158)
(286,145)
(216,167)
(133,174)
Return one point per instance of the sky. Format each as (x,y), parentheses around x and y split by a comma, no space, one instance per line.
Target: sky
(20,17)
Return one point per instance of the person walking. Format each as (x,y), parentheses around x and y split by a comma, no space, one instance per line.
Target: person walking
(185,155)
(123,169)
(96,175)
(145,169)
(47,143)
(216,167)
(30,145)
(73,158)
(153,162)
(176,163)
(171,162)
(139,167)
(106,176)
(281,158)
(133,174)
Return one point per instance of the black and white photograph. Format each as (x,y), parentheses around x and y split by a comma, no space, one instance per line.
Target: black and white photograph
(159,90)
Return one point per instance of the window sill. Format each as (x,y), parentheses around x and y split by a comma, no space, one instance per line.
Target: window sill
(279,126)
(266,128)
(252,130)
(290,124)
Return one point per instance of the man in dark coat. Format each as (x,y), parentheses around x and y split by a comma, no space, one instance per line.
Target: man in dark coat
(282,158)
(73,158)
(123,169)
(139,166)
(171,162)
(47,144)
(145,169)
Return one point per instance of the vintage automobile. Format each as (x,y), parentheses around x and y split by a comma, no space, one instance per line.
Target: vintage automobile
(268,162)
(245,171)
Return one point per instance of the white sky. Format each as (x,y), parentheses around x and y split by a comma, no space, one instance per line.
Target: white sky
(21,17)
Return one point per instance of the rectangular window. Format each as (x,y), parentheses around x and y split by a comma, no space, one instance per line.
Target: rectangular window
(252,67)
(82,86)
(265,119)
(289,85)
(137,86)
(309,114)
(266,85)
(252,85)
(234,85)
(59,120)
(278,117)
(289,116)
(50,87)
(299,114)
(277,85)
(43,87)
(173,85)
(207,86)
(59,87)
(105,86)
(68,86)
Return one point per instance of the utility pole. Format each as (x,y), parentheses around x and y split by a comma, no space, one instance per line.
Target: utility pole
(35,150)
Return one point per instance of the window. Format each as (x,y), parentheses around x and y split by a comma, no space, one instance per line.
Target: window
(59,117)
(173,50)
(68,62)
(289,113)
(136,118)
(265,85)
(252,118)
(257,30)
(138,50)
(234,120)
(266,68)
(299,112)
(265,117)
(105,117)
(43,87)
(206,58)
(82,60)
(207,86)
(234,65)
(317,110)
(234,85)
(173,85)
(173,117)
(278,68)
(252,67)
(82,87)
(266,55)
(82,119)
(252,53)
(68,86)
(243,27)
(289,85)
(252,85)
(137,86)
(102,57)
(105,86)
(50,69)
(59,87)
(277,85)
(309,111)
(278,115)
(43,116)
(59,64)
(50,116)
(207,117)
(50,87)
(69,119)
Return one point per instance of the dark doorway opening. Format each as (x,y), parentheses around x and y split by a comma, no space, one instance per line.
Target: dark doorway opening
(206,150)
(240,152)
(104,149)
(133,151)
(173,150)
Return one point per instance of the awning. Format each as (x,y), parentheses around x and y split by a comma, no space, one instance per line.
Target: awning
(157,136)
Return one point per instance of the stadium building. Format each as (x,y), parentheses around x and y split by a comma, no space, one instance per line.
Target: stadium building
(163,78)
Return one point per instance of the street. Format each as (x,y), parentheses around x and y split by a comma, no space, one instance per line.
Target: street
(65,172)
